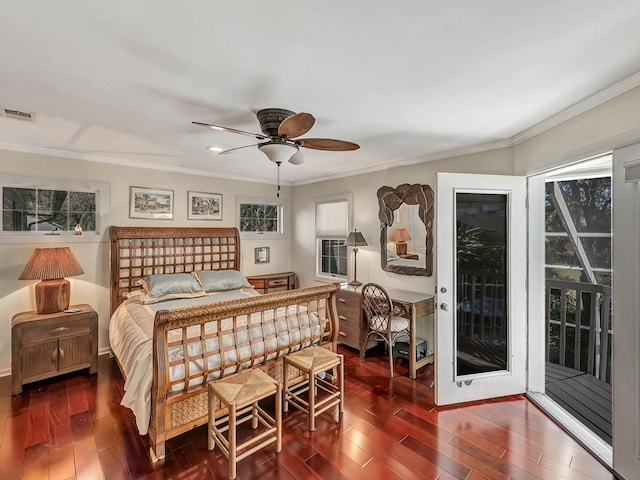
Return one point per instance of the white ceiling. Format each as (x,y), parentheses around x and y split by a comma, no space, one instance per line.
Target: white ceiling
(122,80)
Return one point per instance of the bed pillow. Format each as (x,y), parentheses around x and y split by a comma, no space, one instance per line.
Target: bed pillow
(391,255)
(170,286)
(221,280)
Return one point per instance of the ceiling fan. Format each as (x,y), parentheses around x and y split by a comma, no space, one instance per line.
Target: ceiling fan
(279,138)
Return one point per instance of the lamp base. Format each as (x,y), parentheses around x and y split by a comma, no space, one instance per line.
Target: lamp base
(52,296)
(355,283)
(401,248)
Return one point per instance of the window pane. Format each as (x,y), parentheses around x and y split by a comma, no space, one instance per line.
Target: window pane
(560,251)
(19,199)
(260,217)
(333,257)
(34,209)
(589,203)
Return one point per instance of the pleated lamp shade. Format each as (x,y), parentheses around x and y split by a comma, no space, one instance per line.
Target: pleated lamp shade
(51,265)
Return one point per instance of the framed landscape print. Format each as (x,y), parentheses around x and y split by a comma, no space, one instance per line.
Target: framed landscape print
(204,206)
(150,203)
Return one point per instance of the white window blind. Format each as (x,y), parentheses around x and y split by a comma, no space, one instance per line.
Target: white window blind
(332,219)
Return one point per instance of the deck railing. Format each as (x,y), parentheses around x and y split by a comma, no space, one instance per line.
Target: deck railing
(579,327)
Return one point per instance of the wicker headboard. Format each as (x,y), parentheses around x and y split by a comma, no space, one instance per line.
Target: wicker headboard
(140,251)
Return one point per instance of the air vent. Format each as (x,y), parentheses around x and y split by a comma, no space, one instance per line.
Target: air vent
(18,115)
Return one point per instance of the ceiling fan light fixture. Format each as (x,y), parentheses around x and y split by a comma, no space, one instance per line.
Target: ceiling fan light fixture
(214,149)
(278,152)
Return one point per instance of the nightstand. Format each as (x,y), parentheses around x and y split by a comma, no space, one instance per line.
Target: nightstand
(273,282)
(44,346)
(409,256)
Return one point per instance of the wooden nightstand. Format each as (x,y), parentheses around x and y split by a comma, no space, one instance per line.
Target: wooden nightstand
(409,256)
(273,282)
(44,346)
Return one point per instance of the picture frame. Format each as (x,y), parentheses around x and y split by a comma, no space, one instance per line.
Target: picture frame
(262,254)
(204,206)
(150,203)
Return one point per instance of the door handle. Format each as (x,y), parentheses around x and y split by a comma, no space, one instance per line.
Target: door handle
(444,306)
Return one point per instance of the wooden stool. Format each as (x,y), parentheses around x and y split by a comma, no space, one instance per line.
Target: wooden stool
(240,393)
(313,362)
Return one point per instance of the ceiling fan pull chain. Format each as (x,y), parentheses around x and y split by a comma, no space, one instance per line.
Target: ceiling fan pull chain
(278,179)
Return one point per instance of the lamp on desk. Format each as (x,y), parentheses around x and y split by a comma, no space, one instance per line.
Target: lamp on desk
(50,265)
(400,236)
(355,240)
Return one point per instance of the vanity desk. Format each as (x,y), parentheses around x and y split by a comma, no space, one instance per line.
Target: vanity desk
(419,305)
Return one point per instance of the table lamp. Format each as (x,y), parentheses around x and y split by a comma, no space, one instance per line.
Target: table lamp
(50,265)
(401,237)
(355,239)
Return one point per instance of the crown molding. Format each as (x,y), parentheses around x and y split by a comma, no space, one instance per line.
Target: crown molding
(126,163)
(579,108)
(459,152)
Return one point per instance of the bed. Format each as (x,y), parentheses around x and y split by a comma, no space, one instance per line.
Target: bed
(168,345)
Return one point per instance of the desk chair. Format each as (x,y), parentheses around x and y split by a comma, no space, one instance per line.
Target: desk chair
(384,320)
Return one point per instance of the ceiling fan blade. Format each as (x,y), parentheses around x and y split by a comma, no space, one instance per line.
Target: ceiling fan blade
(296,125)
(224,152)
(259,136)
(297,158)
(327,144)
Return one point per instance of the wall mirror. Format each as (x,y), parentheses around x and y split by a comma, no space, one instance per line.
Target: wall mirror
(406,238)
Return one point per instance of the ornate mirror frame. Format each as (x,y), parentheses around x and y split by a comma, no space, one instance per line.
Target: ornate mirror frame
(389,200)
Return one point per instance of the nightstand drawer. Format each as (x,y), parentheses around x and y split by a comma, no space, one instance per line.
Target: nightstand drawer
(349,317)
(273,282)
(54,330)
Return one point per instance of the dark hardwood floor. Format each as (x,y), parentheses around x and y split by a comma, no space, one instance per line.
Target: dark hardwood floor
(74,427)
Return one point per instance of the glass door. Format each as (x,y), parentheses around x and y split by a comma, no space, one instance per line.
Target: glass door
(481,320)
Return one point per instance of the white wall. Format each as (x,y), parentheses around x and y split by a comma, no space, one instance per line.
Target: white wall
(93,251)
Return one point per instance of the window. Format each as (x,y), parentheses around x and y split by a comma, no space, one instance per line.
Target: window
(31,206)
(261,216)
(332,227)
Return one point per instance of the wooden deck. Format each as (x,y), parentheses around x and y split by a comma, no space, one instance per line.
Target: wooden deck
(584,396)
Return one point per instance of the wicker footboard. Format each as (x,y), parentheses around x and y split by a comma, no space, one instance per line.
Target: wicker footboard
(180,404)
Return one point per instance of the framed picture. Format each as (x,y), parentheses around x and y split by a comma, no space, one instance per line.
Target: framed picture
(150,203)
(262,255)
(204,206)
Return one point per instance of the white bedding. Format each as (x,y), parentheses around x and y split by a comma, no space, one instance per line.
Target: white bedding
(131,339)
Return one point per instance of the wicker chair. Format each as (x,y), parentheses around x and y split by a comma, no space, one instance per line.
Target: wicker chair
(385,320)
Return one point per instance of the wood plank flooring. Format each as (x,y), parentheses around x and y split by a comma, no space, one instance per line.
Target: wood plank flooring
(74,428)
(585,397)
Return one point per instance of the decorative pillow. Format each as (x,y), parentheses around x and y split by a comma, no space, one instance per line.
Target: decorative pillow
(391,255)
(221,280)
(170,286)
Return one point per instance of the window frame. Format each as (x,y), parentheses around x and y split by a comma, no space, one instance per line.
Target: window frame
(283,209)
(319,274)
(101,190)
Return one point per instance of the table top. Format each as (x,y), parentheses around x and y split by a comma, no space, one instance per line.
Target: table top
(397,294)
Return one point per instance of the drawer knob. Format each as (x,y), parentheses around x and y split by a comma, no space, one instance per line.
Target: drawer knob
(58,330)
(342,334)
(342,300)
(342,318)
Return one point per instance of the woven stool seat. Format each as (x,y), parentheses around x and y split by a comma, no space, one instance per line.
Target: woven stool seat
(315,363)
(240,394)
